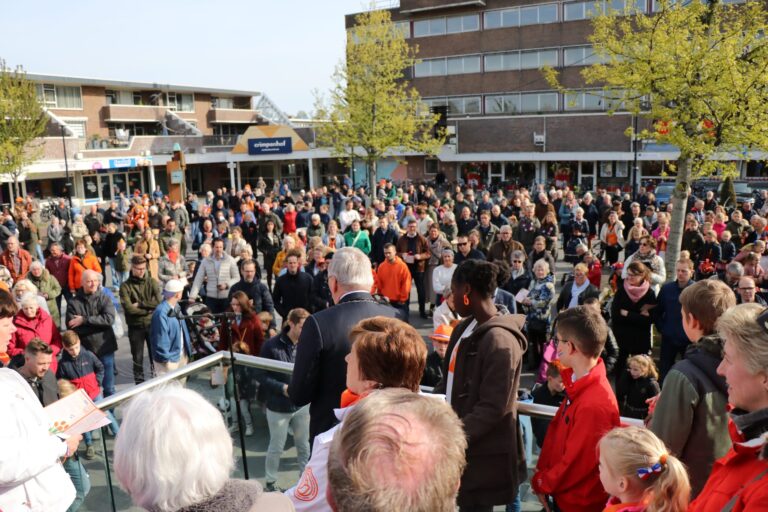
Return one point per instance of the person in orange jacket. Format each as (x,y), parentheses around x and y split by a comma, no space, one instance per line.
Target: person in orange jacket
(739,480)
(82,260)
(394,280)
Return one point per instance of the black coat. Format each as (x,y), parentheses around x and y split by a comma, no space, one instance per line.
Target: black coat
(565,295)
(320,373)
(632,394)
(292,291)
(433,371)
(96,333)
(378,240)
(633,332)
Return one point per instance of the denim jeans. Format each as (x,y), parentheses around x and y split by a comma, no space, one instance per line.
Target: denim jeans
(108,383)
(278,423)
(118,277)
(80,480)
(88,437)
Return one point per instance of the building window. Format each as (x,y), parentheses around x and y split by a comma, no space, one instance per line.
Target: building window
(502,104)
(404,27)
(222,102)
(457,24)
(433,27)
(431,165)
(461,65)
(77,127)
(115,97)
(180,102)
(60,96)
(46,94)
(430,67)
(538,102)
(536,59)
(580,56)
(464,105)
(509,61)
(589,9)
(138,99)
(442,26)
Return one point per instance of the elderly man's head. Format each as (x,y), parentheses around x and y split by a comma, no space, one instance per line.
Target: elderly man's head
(12,245)
(91,281)
(397,450)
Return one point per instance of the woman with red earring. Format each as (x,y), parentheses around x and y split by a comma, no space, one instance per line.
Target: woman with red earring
(481,378)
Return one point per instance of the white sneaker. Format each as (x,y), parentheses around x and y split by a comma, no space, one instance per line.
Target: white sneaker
(248,430)
(234,427)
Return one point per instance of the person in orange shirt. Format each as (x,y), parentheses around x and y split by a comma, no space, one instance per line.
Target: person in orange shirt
(394,280)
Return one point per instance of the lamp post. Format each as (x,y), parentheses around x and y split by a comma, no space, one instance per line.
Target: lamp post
(644,106)
(66,169)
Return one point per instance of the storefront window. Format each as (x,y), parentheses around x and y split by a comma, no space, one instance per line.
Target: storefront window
(90,187)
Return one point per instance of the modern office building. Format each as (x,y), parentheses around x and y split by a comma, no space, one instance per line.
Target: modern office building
(118,136)
(482,59)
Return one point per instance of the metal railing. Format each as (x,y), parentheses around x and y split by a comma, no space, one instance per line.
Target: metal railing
(526,408)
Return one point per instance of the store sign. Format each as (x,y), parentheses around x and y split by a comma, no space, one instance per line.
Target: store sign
(121,163)
(276,145)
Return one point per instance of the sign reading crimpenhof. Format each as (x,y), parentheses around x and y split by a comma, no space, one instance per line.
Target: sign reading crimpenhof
(275,145)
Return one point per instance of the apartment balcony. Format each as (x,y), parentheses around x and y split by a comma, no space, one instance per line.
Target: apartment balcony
(234,116)
(133,113)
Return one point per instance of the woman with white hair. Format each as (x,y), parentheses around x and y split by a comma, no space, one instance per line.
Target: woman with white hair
(739,480)
(32,322)
(24,286)
(174,453)
(48,288)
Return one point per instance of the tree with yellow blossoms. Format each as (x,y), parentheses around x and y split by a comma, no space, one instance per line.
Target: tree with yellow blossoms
(699,73)
(372,111)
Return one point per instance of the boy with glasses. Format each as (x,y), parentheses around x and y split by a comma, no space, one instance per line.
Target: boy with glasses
(567,476)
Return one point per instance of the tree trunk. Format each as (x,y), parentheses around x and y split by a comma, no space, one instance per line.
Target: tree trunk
(677,222)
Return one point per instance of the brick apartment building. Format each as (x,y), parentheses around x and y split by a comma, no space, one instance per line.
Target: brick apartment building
(482,59)
(118,137)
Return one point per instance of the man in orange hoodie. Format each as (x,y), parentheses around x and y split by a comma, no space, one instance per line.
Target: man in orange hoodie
(394,280)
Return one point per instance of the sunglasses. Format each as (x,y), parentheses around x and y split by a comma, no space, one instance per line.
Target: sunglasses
(517,261)
(461,244)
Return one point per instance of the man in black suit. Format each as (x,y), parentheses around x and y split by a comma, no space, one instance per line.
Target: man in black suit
(320,372)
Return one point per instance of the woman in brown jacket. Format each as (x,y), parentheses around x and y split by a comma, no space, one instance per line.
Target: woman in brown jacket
(481,375)
(150,249)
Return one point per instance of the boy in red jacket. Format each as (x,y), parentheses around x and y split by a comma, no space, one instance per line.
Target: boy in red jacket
(567,476)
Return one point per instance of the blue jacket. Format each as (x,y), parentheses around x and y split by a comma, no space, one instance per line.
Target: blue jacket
(164,335)
(668,316)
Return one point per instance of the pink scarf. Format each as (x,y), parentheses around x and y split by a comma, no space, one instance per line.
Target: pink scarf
(636,292)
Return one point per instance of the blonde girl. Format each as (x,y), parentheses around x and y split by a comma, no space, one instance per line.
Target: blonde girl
(640,474)
(634,390)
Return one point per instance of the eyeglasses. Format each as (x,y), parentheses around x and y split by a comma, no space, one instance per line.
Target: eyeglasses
(517,261)
(558,341)
(746,289)
(461,244)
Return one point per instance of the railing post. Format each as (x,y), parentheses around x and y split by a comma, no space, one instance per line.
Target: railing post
(106,464)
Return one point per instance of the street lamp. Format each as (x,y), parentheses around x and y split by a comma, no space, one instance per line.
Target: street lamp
(66,168)
(644,106)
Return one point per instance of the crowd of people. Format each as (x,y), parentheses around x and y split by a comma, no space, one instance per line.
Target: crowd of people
(324,278)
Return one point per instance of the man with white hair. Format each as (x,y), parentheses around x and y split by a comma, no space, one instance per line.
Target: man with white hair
(91,314)
(170,344)
(319,375)
(397,450)
(15,259)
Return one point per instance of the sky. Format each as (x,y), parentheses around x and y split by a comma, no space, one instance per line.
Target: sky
(283,48)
